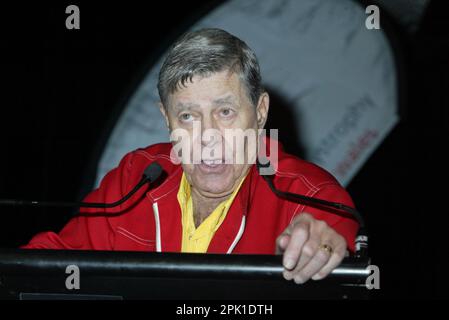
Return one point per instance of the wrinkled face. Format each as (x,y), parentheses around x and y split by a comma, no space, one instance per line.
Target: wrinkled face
(208,109)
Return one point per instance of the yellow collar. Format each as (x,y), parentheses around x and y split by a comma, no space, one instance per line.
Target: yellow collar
(198,239)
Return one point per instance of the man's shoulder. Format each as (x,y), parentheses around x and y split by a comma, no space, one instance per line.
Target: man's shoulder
(295,171)
(159,152)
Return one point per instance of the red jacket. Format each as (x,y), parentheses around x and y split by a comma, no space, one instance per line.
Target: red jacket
(151,219)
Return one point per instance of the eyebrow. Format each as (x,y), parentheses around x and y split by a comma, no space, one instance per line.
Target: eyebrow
(229,99)
(226,100)
(188,106)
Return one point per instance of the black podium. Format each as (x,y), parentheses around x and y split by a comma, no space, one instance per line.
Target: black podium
(41,274)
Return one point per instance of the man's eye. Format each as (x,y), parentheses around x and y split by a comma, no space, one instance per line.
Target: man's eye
(185,117)
(226,112)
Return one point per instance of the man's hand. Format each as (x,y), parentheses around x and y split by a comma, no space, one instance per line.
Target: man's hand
(311,249)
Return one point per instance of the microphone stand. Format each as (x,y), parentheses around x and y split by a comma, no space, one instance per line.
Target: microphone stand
(151,174)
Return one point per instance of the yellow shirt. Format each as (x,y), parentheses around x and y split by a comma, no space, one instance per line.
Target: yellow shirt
(198,239)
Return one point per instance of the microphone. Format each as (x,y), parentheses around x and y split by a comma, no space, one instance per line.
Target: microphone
(361,241)
(150,174)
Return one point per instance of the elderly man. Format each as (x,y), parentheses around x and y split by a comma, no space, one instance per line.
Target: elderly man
(214,205)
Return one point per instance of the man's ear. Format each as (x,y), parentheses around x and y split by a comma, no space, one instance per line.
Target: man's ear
(262,110)
(164,113)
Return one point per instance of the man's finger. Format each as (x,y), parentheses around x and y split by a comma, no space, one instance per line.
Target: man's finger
(314,265)
(334,261)
(311,246)
(309,250)
(282,242)
(299,236)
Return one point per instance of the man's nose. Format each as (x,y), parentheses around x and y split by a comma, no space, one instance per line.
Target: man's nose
(210,132)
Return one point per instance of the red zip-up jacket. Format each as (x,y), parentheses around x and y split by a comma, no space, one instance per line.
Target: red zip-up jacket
(151,219)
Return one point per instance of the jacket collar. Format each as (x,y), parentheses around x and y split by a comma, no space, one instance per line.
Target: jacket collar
(168,217)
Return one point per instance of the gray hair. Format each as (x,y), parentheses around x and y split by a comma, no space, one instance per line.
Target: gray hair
(204,52)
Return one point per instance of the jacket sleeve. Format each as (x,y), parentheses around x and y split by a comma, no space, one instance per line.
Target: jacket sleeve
(90,229)
(343,224)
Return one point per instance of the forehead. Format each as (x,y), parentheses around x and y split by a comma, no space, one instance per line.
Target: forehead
(219,88)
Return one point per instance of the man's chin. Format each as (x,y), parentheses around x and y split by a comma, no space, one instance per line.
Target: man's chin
(214,188)
(214,180)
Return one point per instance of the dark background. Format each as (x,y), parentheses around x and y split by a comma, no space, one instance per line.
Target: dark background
(61,90)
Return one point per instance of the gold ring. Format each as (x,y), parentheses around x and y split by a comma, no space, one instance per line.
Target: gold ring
(327,248)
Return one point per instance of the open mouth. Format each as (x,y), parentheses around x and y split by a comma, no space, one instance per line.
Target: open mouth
(212,166)
(212,162)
